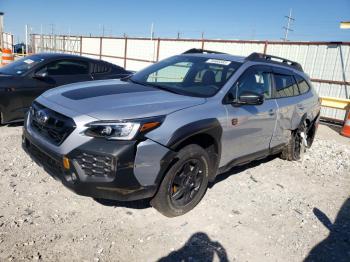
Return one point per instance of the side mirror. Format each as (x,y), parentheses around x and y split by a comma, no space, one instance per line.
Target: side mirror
(40,75)
(251,98)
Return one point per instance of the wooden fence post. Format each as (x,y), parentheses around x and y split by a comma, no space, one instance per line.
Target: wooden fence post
(265,47)
(158,46)
(125,51)
(81,45)
(100,48)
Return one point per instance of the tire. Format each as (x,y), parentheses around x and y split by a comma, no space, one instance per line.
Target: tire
(185,183)
(295,149)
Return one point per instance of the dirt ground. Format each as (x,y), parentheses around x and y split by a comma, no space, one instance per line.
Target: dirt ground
(271,210)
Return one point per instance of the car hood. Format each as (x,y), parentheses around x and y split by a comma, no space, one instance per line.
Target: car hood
(115,100)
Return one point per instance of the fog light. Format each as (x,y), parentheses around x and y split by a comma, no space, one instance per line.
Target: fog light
(66,163)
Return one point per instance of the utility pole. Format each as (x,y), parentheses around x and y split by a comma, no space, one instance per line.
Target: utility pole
(287,28)
(178,35)
(52,28)
(26,39)
(152,31)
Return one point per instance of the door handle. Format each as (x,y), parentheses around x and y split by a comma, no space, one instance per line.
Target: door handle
(271,112)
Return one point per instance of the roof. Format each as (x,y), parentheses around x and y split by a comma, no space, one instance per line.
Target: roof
(218,56)
(58,55)
(253,57)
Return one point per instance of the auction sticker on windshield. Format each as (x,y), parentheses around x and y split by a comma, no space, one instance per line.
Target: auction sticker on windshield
(218,62)
(28,61)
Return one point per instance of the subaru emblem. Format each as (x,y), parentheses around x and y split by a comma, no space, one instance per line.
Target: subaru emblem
(42,117)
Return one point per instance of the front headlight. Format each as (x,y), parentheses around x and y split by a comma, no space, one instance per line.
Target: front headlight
(120,130)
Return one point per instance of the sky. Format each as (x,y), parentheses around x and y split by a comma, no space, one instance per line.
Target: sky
(217,19)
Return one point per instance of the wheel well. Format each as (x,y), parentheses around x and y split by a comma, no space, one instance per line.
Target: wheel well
(204,140)
(209,144)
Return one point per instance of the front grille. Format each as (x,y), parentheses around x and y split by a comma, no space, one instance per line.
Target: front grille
(54,126)
(95,165)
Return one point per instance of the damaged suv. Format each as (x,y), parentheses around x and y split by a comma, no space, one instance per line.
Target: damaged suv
(167,131)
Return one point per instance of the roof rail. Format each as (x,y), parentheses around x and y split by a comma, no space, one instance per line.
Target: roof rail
(273,59)
(201,51)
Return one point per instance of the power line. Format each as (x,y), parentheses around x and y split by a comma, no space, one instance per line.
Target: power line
(288,28)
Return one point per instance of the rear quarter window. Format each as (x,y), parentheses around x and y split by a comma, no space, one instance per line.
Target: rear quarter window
(285,86)
(302,84)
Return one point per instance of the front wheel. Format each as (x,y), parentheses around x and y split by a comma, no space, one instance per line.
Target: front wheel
(185,183)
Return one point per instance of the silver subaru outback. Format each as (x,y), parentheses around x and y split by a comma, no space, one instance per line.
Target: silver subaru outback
(167,131)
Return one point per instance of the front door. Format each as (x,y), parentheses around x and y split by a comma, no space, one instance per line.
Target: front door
(249,127)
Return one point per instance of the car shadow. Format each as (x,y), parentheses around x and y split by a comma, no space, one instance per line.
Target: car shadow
(137,204)
(198,248)
(238,169)
(145,203)
(16,124)
(336,247)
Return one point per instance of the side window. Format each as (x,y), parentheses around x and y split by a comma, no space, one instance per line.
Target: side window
(66,67)
(285,86)
(104,68)
(302,84)
(254,80)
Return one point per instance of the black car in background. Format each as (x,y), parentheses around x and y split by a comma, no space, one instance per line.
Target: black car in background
(25,79)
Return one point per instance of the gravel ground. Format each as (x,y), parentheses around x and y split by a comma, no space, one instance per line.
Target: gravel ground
(271,210)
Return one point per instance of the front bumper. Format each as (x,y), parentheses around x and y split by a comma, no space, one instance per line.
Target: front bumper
(104,169)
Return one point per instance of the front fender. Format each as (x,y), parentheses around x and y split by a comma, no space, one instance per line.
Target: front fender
(210,126)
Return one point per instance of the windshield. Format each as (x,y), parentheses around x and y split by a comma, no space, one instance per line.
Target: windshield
(188,75)
(21,66)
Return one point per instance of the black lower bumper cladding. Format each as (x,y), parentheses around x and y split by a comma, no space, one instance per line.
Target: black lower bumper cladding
(117,182)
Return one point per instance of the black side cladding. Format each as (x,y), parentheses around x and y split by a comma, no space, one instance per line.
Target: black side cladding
(210,126)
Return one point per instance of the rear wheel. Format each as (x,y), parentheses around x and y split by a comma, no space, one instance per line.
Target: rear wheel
(296,147)
(185,183)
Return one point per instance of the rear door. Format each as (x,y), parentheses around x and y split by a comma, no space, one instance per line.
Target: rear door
(249,127)
(290,104)
(56,73)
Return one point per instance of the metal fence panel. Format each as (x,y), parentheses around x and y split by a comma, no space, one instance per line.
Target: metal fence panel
(175,47)
(91,46)
(117,61)
(142,49)
(113,47)
(328,64)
